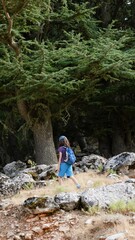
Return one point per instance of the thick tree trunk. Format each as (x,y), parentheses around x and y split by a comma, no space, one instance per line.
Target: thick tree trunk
(133,14)
(44,146)
(118,143)
(104,143)
(43,136)
(121,136)
(106,14)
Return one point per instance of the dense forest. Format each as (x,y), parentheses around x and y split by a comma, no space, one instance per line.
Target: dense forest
(66,67)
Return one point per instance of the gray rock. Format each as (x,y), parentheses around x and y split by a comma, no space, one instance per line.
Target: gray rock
(120,160)
(48,172)
(106,195)
(41,204)
(90,162)
(42,167)
(117,236)
(13,168)
(22,179)
(67,201)
(7,186)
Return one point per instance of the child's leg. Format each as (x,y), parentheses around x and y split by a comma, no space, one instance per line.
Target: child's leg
(62,171)
(60,180)
(69,173)
(74,179)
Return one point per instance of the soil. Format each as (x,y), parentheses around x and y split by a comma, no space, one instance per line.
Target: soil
(19,223)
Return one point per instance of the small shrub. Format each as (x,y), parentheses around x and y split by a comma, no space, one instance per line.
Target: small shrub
(93,210)
(131,205)
(122,207)
(97,184)
(100,168)
(31,163)
(28,186)
(60,189)
(111,171)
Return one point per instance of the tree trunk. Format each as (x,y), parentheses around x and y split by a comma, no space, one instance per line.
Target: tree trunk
(118,143)
(106,14)
(104,143)
(44,146)
(43,136)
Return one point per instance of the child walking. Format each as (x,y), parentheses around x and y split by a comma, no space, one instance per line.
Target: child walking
(63,167)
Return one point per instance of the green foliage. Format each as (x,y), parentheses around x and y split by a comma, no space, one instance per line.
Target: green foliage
(48,71)
(26,15)
(53,54)
(35,76)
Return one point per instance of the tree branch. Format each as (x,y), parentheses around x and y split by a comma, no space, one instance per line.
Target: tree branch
(10,21)
(9,38)
(23,110)
(20,7)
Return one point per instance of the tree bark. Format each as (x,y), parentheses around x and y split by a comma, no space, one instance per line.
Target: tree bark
(44,146)
(43,136)
(118,145)
(106,14)
(105,143)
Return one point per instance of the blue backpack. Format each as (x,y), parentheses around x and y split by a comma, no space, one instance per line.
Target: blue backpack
(70,156)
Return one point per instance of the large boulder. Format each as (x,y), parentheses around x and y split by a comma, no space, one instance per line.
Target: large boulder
(119,161)
(67,201)
(7,186)
(46,173)
(106,195)
(41,204)
(13,168)
(23,180)
(92,161)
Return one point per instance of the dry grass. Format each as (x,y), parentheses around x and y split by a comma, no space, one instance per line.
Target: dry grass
(89,179)
(104,225)
(122,207)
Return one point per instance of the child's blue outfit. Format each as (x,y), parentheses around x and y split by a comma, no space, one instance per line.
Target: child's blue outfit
(65,169)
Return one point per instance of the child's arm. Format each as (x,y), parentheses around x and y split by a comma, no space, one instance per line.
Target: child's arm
(59,160)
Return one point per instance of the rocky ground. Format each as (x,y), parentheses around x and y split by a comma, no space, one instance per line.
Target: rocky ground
(19,223)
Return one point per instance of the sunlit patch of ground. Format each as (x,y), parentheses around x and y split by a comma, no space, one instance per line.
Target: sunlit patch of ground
(86,180)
